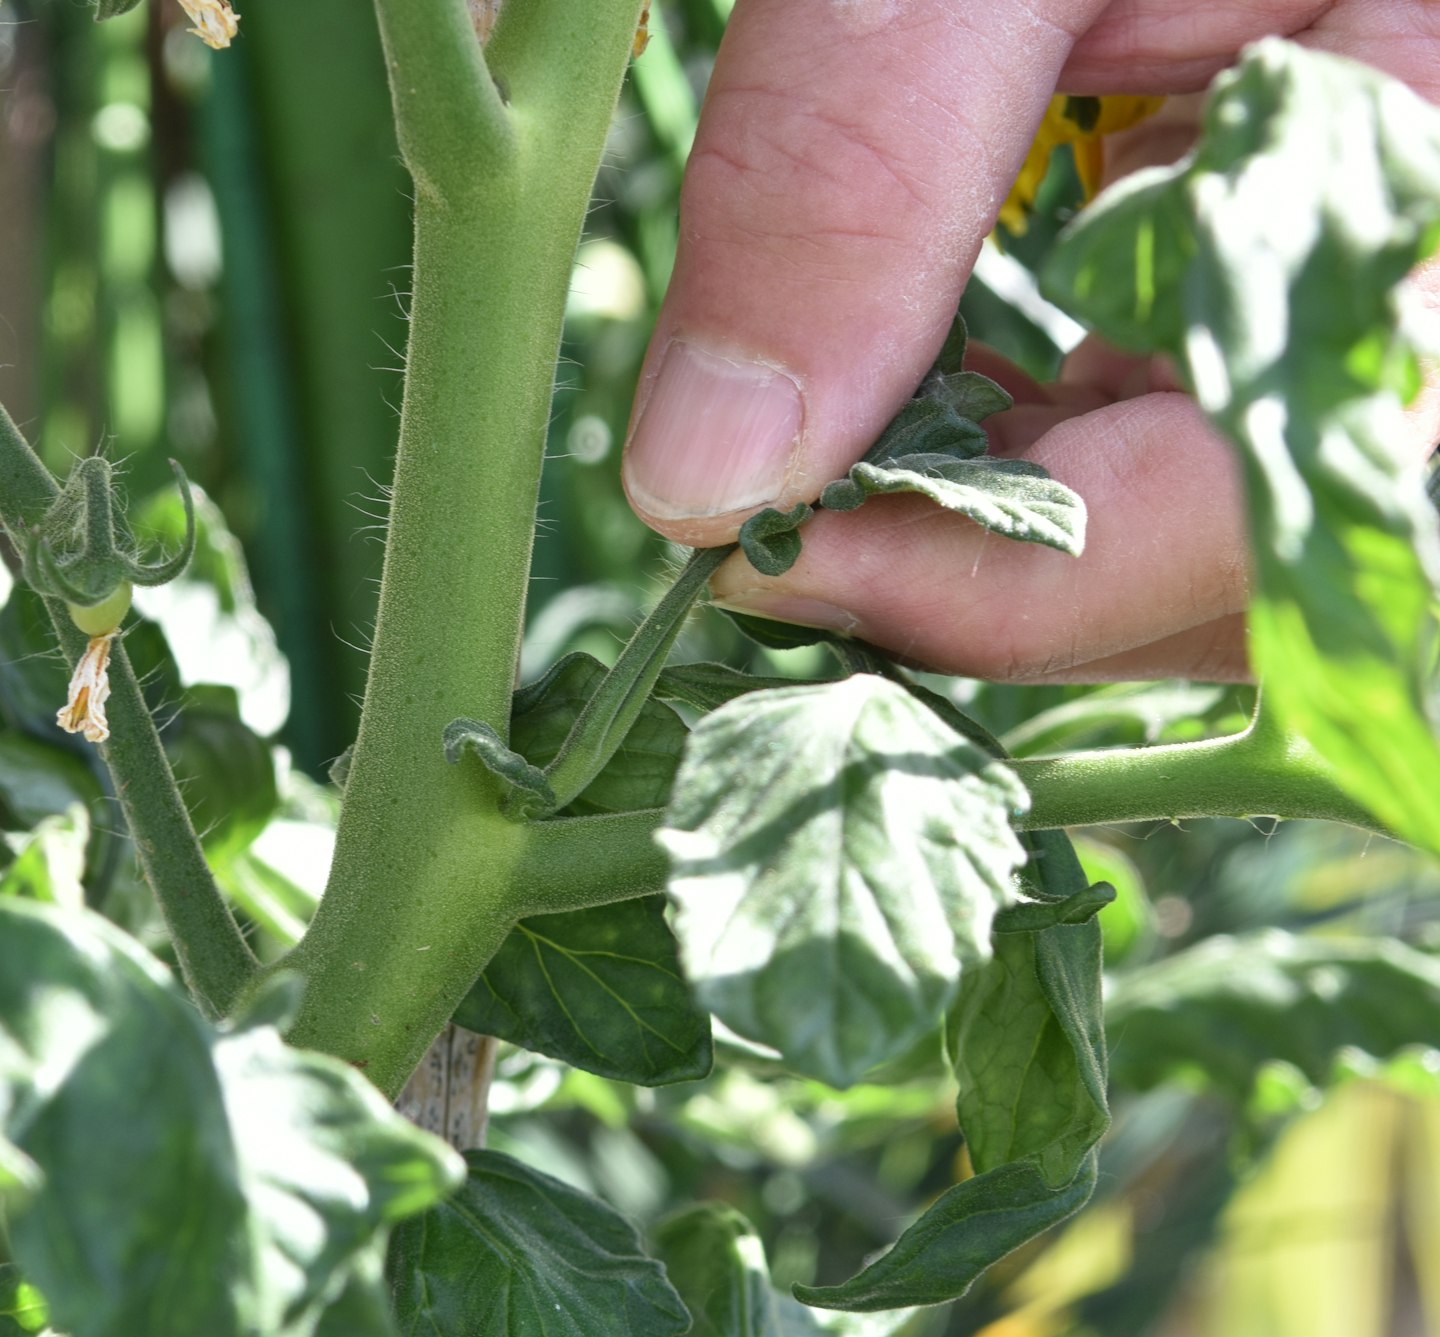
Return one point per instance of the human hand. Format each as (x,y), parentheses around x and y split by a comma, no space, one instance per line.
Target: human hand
(849,162)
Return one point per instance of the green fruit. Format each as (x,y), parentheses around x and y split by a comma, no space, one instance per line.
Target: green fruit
(106,616)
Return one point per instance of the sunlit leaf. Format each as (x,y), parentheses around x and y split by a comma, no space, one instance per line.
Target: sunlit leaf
(1013,498)
(838,854)
(600,989)
(239,1185)
(1267,263)
(520,1253)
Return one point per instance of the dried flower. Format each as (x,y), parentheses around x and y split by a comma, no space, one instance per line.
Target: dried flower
(642,33)
(84,712)
(215,22)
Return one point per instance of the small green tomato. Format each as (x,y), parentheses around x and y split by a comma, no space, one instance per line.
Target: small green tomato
(106,616)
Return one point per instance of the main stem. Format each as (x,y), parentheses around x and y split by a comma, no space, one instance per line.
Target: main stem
(411,914)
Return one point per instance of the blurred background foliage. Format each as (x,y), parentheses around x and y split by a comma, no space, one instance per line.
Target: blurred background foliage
(205,257)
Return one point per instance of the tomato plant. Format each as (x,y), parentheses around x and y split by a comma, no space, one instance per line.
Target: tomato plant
(851,880)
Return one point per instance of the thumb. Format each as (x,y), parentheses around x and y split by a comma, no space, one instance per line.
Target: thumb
(850,159)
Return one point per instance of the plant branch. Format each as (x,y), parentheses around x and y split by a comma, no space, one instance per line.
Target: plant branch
(1258,773)
(573,863)
(450,118)
(602,725)
(214,958)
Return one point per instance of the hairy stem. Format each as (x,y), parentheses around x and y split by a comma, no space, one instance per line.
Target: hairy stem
(601,727)
(1258,773)
(428,877)
(573,863)
(214,958)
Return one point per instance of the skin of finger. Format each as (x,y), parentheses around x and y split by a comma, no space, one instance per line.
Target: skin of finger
(850,158)
(1177,46)
(1165,553)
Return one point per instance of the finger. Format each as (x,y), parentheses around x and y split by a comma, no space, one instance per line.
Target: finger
(1165,555)
(850,159)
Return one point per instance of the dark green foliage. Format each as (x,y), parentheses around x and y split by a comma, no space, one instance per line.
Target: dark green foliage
(600,989)
(518,1252)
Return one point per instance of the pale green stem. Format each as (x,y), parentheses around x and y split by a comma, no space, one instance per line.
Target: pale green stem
(602,725)
(1258,773)
(426,880)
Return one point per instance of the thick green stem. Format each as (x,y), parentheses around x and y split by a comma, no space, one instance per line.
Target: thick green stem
(427,877)
(213,956)
(1257,773)
(572,863)
(601,727)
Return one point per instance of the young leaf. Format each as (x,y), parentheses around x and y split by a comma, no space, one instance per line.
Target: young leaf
(111,9)
(838,853)
(707,687)
(1026,1035)
(1222,1010)
(519,1253)
(527,791)
(927,426)
(970,394)
(1028,1047)
(239,1184)
(770,539)
(1010,497)
(599,989)
(1273,284)
(967,1229)
(716,1262)
(640,773)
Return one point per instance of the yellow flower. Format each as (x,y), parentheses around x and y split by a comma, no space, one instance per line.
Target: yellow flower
(84,712)
(1081,122)
(215,22)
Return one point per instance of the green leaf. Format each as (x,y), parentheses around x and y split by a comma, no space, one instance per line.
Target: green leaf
(838,853)
(928,426)
(1026,1035)
(49,862)
(225,770)
(519,1253)
(1217,1013)
(527,791)
(1273,284)
(600,989)
(1036,916)
(239,1184)
(775,635)
(37,781)
(716,1262)
(640,773)
(769,538)
(1010,497)
(970,394)
(967,1229)
(707,687)
(111,9)
(22,1307)
(1127,713)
